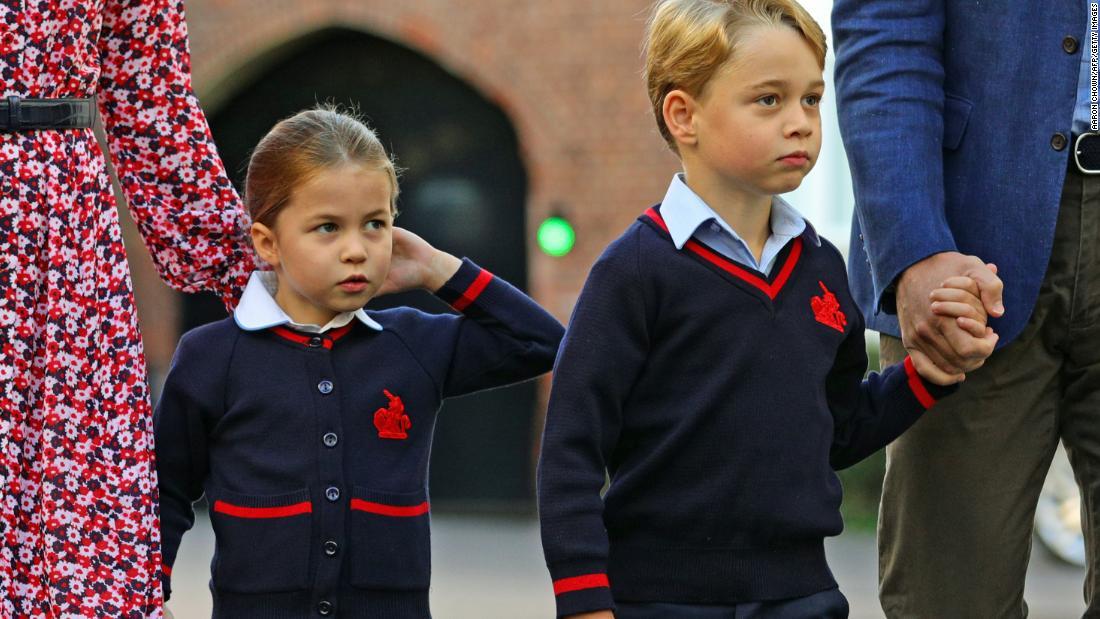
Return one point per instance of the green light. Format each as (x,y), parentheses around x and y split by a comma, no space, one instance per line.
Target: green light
(556,236)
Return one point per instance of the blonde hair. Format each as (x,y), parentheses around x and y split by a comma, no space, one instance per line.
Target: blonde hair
(299,147)
(688,41)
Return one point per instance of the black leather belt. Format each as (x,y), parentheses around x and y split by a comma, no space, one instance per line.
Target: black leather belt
(19,114)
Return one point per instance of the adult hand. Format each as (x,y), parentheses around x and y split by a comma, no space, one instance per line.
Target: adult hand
(936,339)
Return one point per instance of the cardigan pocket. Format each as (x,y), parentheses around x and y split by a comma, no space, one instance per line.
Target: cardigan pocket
(262,542)
(390,540)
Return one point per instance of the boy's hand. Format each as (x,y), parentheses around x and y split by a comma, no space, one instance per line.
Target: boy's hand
(959,298)
(939,338)
(599,614)
(416,264)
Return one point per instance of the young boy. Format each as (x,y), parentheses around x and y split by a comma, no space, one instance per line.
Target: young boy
(714,360)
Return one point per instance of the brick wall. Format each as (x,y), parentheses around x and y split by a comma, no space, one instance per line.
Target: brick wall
(567,73)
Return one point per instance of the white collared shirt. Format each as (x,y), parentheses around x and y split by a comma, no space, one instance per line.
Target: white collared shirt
(259,310)
(687,215)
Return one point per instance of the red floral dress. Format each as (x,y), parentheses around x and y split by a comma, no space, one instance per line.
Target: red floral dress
(79,535)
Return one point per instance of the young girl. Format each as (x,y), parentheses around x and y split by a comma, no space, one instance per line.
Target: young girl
(306,420)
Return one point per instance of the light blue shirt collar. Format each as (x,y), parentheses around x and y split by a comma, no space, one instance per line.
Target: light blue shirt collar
(258,309)
(684,211)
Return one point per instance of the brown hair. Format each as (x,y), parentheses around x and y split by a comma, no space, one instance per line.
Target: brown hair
(299,147)
(688,41)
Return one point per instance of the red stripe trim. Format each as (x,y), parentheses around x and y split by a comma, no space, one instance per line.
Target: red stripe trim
(262,512)
(474,291)
(578,583)
(397,511)
(300,338)
(336,334)
(167,570)
(655,216)
(724,263)
(788,266)
(291,335)
(916,385)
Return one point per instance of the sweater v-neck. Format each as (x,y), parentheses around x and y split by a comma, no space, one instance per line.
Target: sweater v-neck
(769,285)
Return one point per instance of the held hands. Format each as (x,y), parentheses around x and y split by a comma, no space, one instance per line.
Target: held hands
(416,264)
(955,331)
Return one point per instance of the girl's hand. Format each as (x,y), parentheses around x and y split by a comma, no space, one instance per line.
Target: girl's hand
(416,264)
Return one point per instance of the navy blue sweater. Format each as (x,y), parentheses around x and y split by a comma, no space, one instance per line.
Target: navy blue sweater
(312,450)
(719,402)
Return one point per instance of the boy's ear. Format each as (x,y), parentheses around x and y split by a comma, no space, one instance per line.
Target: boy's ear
(679,114)
(263,239)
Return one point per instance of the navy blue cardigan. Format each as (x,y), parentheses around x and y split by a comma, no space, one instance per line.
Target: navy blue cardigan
(312,450)
(719,401)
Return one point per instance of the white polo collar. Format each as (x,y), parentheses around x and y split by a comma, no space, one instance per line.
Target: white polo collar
(258,309)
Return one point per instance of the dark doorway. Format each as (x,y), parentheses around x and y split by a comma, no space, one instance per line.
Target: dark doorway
(463,190)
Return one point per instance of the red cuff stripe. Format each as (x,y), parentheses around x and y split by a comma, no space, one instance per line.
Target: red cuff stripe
(916,385)
(262,512)
(390,510)
(578,583)
(167,570)
(474,291)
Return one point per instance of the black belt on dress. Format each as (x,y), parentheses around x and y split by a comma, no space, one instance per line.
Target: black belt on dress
(20,114)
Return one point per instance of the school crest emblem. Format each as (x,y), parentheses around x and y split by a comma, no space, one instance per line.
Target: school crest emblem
(392,422)
(827,309)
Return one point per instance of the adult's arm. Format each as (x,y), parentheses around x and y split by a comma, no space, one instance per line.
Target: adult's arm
(890,99)
(189,216)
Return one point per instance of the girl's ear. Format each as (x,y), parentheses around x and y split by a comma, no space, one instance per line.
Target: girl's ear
(678,110)
(267,246)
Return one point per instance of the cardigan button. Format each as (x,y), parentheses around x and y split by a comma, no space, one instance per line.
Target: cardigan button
(325,387)
(330,439)
(331,548)
(315,342)
(332,493)
(324,607)
(1069,44)
(1058,141)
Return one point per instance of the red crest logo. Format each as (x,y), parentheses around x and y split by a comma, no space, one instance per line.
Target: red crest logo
(392,422)
(827,309)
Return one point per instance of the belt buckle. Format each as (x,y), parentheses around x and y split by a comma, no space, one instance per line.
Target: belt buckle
(1086,153)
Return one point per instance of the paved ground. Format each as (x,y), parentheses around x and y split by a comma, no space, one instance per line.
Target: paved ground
(491,568)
